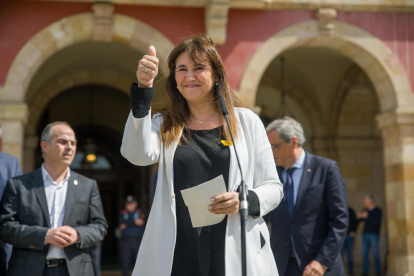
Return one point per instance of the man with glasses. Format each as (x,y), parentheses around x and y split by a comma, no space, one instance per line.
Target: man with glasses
(310,224)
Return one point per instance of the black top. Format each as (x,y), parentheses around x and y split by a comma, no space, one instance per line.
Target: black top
(352,221)
(199,251)
(373,221)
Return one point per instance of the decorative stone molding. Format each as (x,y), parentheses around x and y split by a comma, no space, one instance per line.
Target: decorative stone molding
(13,117)
(341,5)
(70,80)
(216,16)
(393,118)
(103,21)
(326,17)
(14,112)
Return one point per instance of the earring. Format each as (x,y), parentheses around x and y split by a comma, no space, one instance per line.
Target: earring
(177,86)
(216,84)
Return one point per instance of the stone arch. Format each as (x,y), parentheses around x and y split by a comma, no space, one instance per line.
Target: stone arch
(368,52)
(67,81)
(52,89)
(71,30)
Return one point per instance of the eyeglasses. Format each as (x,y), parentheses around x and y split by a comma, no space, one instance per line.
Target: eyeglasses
(275,147)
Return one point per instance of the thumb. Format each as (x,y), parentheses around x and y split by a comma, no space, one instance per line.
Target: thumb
(152,51)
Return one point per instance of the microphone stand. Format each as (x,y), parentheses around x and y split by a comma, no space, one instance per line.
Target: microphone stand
(244,208)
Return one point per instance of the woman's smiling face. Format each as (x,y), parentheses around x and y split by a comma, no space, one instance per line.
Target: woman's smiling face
(195,81)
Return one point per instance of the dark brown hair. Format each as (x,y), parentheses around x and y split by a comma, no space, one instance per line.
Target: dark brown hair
(175,108)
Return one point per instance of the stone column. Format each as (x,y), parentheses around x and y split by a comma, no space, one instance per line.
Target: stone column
(31,144)
(13,117)
(398,138)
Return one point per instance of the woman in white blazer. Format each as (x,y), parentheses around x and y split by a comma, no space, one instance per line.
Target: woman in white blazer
(189,140)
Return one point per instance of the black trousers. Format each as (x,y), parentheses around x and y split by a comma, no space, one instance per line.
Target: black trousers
(61,270)
(3,259)
(130,247)
(95,252)
(293,268)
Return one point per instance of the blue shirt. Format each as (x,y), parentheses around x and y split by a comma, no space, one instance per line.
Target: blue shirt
(296,175)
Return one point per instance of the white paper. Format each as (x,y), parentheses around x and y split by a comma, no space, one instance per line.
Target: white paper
(199,198)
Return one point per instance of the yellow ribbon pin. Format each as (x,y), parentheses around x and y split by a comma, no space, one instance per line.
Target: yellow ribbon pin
(227,143)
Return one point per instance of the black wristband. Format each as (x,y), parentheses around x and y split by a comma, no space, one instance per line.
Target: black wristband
(254,204)
(141,99)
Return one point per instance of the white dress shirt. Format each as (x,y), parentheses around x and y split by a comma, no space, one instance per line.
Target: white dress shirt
(56,199)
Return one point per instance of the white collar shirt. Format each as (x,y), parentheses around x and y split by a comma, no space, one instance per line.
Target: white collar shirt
(56,199)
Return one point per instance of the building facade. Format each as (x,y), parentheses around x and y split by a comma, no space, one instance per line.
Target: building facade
(347,73)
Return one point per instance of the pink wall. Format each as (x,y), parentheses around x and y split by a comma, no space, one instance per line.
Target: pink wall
(247,29)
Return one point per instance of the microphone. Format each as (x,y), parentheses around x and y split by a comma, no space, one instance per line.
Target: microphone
(244,206)
(223,107)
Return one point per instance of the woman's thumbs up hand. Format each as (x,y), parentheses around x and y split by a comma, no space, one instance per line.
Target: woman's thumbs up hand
(148,68)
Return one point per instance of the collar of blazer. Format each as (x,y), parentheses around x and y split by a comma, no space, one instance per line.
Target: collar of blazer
(308,170)
(74,186)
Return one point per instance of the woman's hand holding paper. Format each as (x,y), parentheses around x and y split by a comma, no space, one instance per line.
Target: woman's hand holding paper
(227,204)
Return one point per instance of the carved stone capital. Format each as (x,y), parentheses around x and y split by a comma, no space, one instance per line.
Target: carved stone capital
(394,118)
(14,112)
(216,14)
(103,21)
(326,18)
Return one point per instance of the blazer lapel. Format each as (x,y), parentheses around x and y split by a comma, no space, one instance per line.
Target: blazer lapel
(234,171)
(308,171)
(71,195)
(169,158)
(283,204)
(279,172)
(39,190)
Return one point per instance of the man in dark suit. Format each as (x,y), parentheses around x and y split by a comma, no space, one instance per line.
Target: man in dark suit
(9,167)
(310,224)
(52,215)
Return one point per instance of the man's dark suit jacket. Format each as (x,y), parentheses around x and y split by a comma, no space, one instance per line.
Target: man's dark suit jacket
(24,221)
(319,220)
(9,167)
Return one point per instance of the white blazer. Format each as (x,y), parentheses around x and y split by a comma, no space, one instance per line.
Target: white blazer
(142,145)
